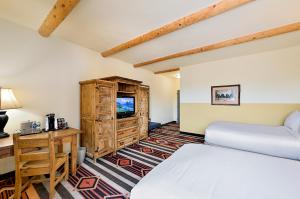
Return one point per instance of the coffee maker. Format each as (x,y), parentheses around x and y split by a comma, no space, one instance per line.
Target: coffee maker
(50,122)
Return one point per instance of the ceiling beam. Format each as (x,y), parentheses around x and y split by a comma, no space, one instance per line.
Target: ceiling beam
(167,71)
(211,11)
(57,14)
(247,38)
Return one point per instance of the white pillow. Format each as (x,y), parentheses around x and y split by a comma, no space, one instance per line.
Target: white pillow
(293,121)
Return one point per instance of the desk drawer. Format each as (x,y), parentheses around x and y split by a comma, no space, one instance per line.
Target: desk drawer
(6,152)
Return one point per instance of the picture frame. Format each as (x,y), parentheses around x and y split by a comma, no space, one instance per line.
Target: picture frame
(226,95)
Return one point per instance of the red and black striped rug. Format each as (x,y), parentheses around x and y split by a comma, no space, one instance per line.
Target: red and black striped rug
(113,176)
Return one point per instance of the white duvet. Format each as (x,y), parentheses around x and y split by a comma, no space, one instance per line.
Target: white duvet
(199,171)
(271,140)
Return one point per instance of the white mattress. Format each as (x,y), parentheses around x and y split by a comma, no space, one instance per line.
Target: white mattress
(271,140)
(199,171)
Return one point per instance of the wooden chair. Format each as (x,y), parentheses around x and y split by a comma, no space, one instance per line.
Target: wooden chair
(37,163)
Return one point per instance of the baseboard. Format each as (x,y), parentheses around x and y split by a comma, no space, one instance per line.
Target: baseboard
(194,134)
(172,122)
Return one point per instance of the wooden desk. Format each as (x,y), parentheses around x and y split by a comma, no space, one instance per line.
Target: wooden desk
(61,137)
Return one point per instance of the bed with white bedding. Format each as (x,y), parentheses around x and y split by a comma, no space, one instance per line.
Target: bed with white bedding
(198,171)
(279,141)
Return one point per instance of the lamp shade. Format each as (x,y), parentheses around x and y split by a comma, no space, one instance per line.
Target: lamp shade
(8,99)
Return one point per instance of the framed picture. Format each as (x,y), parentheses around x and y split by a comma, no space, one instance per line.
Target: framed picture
(226,95)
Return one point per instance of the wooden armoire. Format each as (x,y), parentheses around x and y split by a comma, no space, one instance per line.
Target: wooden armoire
(102,131)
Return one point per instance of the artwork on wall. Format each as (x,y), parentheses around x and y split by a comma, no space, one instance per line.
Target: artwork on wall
(225,95)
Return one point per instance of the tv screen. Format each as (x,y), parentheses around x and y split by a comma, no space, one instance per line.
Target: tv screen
(125,106)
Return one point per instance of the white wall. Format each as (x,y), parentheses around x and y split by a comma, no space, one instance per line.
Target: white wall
(44,73)
(177,87)
(269,77)
(269,89)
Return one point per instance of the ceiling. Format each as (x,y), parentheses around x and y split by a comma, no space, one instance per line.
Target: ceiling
(101,24)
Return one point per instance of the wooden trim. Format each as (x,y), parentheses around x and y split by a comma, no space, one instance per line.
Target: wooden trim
(167,71)
(165,124)
(193,134)
(231,42)
(121,79)
(211,11)
(57,14)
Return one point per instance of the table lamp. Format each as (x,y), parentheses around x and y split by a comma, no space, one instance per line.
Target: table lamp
(7,101)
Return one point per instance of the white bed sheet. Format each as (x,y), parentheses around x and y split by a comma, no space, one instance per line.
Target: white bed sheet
(199,171)
(271,140)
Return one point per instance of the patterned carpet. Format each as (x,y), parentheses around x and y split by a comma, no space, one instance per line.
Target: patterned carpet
(113,176)
(6,181)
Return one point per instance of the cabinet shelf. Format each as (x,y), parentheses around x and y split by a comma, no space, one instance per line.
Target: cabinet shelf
(126,118)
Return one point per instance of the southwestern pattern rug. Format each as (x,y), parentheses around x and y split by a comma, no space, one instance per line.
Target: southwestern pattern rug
(113,176)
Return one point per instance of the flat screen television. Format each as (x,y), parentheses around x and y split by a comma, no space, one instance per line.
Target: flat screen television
(125,106)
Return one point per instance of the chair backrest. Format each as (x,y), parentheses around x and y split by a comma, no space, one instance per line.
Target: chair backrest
(28,148)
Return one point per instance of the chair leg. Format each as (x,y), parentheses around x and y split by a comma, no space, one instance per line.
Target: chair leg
(18,185)
(66,168)
(52,184)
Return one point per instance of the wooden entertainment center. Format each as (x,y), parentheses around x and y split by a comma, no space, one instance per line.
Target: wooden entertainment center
(102,131)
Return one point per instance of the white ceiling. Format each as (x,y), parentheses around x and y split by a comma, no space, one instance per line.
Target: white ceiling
(102,24)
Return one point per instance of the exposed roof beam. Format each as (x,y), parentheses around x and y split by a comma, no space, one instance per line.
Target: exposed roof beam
(213,10)
(247,38)
(167,71)
(57,14)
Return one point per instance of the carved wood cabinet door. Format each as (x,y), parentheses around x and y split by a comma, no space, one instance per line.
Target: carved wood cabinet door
(144,111)
(105,116)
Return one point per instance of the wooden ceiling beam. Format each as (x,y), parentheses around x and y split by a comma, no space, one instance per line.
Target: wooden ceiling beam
(211,11)
(57,14)
(251,37)
(167,71)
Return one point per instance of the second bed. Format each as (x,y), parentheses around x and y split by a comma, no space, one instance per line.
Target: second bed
(277,141)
